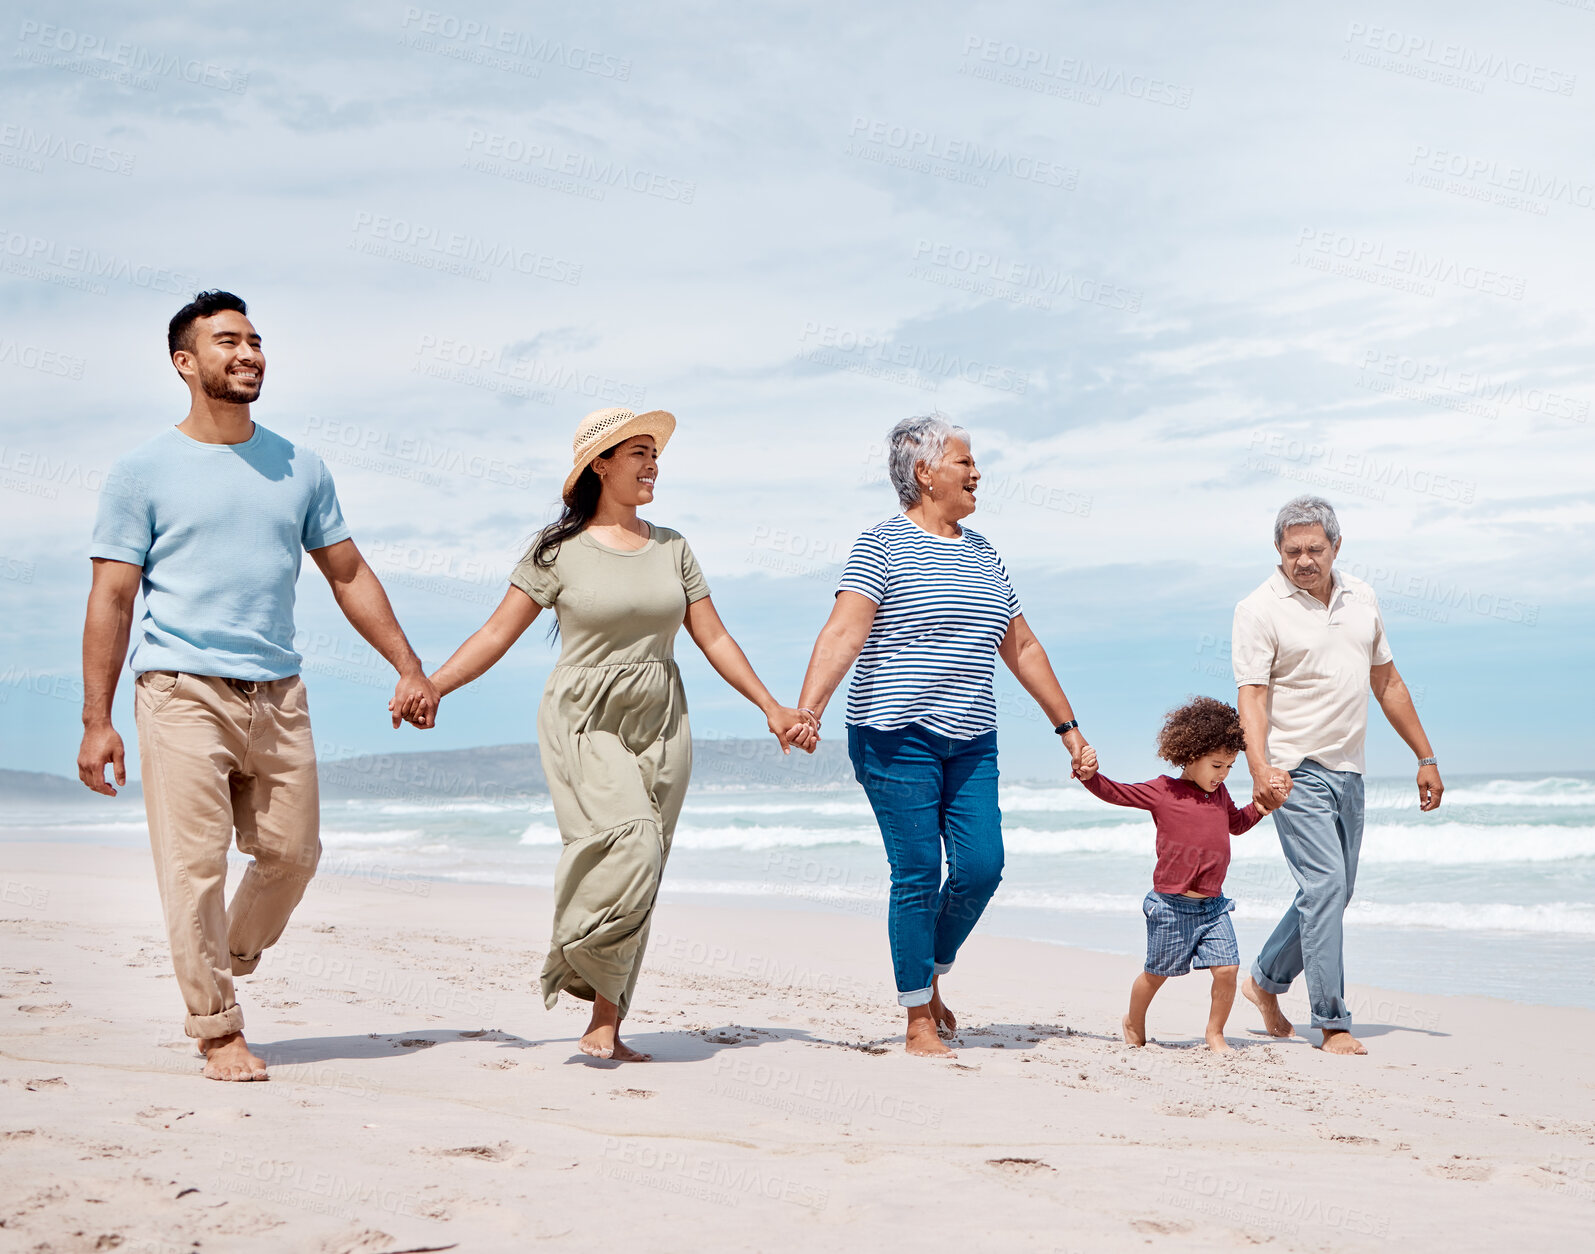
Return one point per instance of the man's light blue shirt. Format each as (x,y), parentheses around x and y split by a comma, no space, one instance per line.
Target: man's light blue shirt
(220,531)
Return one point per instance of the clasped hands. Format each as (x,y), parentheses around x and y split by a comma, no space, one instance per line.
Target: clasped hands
(415,700)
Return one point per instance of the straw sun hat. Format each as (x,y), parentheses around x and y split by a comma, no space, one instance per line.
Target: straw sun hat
(605,428)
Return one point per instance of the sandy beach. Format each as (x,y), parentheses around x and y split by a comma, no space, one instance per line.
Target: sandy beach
(423,1099)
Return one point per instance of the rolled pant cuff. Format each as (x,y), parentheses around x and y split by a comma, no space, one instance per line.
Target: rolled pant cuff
(208,1027)
(919,997)
(1332,1025)
(1266,984)
(942,968)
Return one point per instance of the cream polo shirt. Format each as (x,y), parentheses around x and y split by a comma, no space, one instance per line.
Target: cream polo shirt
(1315,661)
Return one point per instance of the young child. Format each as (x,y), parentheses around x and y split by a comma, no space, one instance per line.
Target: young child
(1187,914)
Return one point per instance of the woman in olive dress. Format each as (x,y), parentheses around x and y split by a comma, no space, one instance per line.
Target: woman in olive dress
(612,727)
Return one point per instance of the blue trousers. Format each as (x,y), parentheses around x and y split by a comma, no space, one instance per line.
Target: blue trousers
(1320,830)
(930,792)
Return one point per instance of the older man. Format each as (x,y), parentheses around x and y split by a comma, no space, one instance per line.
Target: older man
(1307,645)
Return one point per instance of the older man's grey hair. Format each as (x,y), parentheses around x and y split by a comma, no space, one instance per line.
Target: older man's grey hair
(916,441)
(1307,511)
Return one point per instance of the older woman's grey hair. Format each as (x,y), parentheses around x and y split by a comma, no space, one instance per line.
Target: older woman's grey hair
(1307,511)
(914,442)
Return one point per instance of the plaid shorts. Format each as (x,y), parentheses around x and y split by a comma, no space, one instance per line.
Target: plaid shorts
(1186,932)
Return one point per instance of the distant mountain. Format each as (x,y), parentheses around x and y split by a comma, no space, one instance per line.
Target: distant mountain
(40,786)
(500,773)
(506,772)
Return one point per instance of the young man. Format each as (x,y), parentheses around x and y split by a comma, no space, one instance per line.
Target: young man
(210,518)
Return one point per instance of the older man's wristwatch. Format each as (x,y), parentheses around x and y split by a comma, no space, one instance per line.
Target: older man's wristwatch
(1428,762)
(1063,729)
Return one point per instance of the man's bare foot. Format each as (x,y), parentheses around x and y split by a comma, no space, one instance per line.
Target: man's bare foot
(228,1058)
(922,1039)
(1219,1045)
(1273,1017)
(946,1022)
(1341,1042)
(1134,1034)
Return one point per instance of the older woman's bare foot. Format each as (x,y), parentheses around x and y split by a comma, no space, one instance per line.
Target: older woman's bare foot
(1341,1041)
(602,1038)
(1134,1033)
(946,1021)
(922,1040)
(228,1058)
(1218,1044)
(1274,1019)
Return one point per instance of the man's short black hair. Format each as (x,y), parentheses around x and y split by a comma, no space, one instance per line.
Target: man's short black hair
(179,332)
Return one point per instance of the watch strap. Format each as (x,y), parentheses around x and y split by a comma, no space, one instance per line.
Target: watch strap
(1063,729)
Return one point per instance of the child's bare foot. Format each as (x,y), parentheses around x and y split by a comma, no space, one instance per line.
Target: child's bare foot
(228,1058)
(1342,1042)
(946,1022)
(1134,1033)
(1274,1019)
(1218,1044)
(922,1040)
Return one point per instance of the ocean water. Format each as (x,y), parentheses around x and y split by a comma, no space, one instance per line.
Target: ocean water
(1492,894)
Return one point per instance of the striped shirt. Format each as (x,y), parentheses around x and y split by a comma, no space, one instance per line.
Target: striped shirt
(945,605)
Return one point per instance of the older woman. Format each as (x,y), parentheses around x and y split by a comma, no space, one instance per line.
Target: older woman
(612,727)
(925,607)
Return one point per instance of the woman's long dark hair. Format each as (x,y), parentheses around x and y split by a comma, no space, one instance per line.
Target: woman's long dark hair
(575,515)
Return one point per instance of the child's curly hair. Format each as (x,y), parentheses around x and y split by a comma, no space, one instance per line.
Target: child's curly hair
(1201,726)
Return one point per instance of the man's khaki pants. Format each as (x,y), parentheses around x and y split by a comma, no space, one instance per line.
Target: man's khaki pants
(220,756)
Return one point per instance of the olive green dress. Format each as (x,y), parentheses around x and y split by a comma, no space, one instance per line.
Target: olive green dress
(616,748)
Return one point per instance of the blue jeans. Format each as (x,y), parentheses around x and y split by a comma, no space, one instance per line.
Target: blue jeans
(1320,830)
(928,790)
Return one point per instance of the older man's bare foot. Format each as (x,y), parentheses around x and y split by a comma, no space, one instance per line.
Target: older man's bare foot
(1134,1033)
(1274,1019)
(228,1058)
(922,1040)
(1218,1044)
(946,1021)
(1342,1042)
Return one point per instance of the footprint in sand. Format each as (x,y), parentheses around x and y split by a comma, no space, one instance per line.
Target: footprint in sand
(50,1008)
(499,1153)
(1022,1166)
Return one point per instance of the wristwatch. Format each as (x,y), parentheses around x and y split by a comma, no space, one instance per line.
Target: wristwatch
(1428,762)
(1063,729)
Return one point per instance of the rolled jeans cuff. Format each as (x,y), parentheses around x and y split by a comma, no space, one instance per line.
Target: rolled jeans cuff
(918,997)
(1342,1024)
(942,968)
(208,1027)
(1266,984)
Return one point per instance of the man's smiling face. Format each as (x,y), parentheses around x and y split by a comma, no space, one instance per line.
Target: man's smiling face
(226,357)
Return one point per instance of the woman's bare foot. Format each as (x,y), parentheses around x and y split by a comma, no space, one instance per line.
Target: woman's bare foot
(1219,1045)
(1134,1033)
(1274,1019)
(1342,1042)
(922,1039)
(946,1021)
(602,1038)
(228,1058)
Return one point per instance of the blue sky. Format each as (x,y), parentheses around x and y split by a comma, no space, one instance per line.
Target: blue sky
(1170,266)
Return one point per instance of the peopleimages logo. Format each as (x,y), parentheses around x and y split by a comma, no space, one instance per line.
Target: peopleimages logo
(485,37)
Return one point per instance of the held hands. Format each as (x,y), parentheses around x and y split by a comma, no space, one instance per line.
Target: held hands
(1085,763)
(415,701)
(1269,792)
(1429,787)
(794,727)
